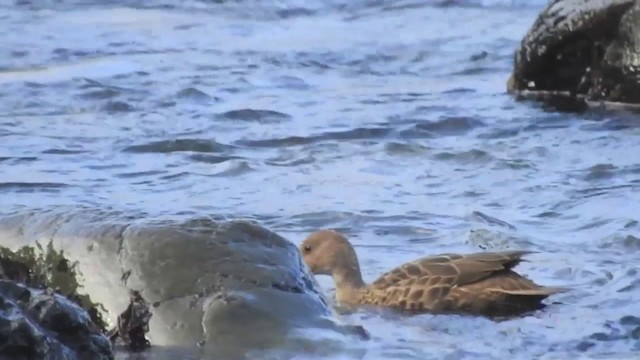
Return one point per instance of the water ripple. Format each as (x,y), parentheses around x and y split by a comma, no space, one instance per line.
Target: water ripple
(169,146)
(451,126)
(470,156)
(260,116)
(212,159)
(353,134)
(31,186)
(196,95)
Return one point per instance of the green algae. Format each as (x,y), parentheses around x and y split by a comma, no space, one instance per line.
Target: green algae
(45,267)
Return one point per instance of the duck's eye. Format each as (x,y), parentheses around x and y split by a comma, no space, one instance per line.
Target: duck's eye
(307,248)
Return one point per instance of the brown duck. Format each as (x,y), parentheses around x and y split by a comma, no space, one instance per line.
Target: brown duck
(479,283)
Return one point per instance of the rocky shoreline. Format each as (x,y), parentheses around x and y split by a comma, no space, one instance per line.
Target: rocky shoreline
(42,315)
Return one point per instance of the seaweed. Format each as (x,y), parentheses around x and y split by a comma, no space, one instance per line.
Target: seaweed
(45,267)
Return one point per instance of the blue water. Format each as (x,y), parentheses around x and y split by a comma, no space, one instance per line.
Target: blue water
(388,120)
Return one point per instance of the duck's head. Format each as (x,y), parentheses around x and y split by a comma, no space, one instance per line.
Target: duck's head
(327,251)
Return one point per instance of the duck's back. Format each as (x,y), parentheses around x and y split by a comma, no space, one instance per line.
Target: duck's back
(479,283)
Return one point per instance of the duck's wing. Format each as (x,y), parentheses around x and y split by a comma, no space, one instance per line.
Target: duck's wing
(450,269)
(438,282)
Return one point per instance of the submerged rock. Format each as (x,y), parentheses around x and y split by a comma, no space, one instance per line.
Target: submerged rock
(39,324)
(581,50)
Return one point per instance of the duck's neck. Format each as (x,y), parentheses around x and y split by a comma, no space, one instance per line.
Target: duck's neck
(349,284)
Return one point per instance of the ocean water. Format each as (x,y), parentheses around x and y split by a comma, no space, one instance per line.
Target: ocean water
(387,120)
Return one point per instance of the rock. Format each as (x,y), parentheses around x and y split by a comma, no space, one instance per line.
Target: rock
(133,324)
(226,286)
(39,324)
(44,267)
(584,50)
(14,270)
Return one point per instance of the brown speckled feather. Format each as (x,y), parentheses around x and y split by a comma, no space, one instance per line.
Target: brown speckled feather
(480,283)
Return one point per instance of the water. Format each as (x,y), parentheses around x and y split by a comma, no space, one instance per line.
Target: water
(387,120)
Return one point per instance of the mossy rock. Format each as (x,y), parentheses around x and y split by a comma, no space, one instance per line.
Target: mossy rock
(45,267)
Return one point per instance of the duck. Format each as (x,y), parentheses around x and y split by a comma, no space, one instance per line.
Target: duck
(481,283)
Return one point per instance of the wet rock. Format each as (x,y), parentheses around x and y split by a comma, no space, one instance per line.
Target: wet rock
(225,286)
(587,50)
(39,324)
(14,270)
(133,324)
(43,267)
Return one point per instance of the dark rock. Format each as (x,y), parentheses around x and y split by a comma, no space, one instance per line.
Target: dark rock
(133,324)
(39,324)
(43,267)
(586,50)
(14,270)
